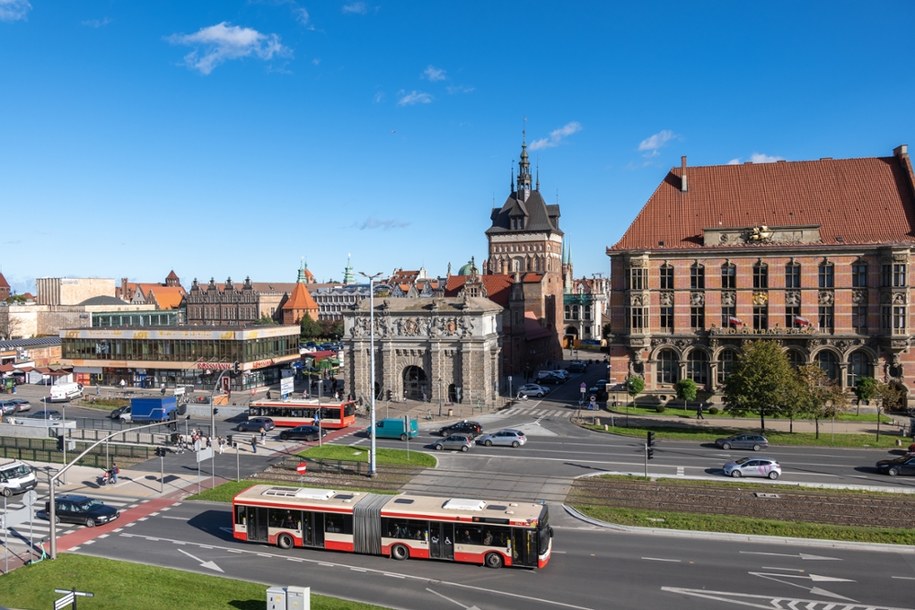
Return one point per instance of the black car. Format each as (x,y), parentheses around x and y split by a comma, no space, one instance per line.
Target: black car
(467,428)
(901,465)
(255,424)
(73,508)
(116,413)
(302,433)
(47,414)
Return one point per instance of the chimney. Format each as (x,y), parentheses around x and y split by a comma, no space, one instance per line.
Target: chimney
(901,151)
(683,174)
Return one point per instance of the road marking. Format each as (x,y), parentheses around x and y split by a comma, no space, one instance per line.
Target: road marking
(661,559)
(454,601)
(203,564)
(770,601)
(903,577)
(806,556)
(785,569)
(812,577)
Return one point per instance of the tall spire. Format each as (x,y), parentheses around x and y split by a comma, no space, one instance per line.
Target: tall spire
(303,266)
(524,169)
(348,277)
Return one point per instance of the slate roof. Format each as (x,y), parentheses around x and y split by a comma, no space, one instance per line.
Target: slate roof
(103,300)
(854,201)
(539,216)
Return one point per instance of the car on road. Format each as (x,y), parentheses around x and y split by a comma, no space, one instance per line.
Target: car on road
(902,465)
(598,387)
(255,424)
(470,428)
(75,508)
(533,389)
(455,442)
(753,467)
(116,413)
(743,441)
(303,433)
(8,407)
(47,414)
(551,377)
(21,404)
(507,438)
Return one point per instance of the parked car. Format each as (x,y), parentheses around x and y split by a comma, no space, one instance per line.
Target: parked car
(303,433)
(578,366)
(743,441)
(902,465)
(255,424)
(21,404)
(508,438)
(46,414)
(533,389)
(551,377)
(470,428)
(598,387)
(455,442)
(753,467)
(8,407)
(116,413)
(73,508)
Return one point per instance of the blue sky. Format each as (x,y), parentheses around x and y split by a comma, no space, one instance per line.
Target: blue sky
(235,138)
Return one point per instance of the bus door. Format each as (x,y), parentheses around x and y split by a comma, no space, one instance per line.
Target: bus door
(313,529)
(257,523)
(441,540)
(524,547)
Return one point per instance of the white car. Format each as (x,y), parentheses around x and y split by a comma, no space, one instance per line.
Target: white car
(753,467)
(533,389)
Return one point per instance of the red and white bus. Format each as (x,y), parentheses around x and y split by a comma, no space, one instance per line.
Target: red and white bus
(300,412)
(490,533)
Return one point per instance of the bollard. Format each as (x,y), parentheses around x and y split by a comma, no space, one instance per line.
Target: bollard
(606,427)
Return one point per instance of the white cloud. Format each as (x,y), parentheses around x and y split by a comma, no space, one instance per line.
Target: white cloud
(414,97)
(757,158)
(651,145)
(14,10)
(378,97)
(355,8)
(556,136)
(376,223)
(454,89)
(301,15)
(96,23)
(221,42)
(434,74)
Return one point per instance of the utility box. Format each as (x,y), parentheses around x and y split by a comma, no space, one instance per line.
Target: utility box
(289,598)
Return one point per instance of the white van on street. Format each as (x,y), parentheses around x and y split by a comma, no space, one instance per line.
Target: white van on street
(16,478)
(62,392)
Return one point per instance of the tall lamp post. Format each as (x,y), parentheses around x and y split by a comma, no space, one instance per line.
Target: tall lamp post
(372,471)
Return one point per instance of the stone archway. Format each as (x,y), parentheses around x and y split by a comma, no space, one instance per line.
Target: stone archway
(415,383)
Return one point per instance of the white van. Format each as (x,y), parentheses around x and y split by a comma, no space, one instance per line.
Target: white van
(16,478)
(62,392)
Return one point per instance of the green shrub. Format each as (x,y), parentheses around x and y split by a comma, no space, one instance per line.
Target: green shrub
(713,410)
(660,408)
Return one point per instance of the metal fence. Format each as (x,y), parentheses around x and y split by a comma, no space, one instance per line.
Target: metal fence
(45,450)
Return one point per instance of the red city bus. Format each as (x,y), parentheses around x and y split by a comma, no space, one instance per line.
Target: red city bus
(300,412)
(490,533)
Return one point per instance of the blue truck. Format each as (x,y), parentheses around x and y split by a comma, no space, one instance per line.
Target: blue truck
(150,409)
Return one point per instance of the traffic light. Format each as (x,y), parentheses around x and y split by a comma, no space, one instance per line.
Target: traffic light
(229,440)
(650,438)
(236,369)
(60,442)
(649,446)
(388,395)
(160,451)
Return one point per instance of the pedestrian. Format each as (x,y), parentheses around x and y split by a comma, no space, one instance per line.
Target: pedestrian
(209,441)
(114,472)
(699,414)
(253,444)
(263,434)
(222,445)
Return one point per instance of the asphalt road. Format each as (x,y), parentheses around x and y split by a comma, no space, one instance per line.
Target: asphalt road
(591,568)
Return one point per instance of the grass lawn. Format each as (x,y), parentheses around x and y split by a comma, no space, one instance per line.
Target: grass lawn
(707,434)
(386,457)
(118,585)
(747,526)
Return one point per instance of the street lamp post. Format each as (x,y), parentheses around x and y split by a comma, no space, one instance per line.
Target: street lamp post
(372,470)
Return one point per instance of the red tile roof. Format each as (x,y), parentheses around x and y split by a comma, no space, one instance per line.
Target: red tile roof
(497,285)
(301,299)
(865,201)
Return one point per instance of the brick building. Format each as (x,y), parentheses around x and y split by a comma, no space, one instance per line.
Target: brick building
(812,254)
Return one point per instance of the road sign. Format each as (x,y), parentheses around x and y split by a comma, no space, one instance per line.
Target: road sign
(204,454)
(301,468)
(583,387)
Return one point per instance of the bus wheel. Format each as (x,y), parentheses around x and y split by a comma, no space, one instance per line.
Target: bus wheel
(403,437)
(493,560)
(400,552)
(284,541)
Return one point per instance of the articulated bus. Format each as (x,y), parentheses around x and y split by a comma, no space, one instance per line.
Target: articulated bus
(490,533)
(300,412)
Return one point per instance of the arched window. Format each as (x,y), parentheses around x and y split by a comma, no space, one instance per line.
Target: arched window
(859,365)
(725,364)
(697,367)
(796,358)
(829,362)
(668,367)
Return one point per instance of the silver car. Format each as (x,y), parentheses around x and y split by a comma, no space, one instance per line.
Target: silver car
(753,467)
(507,438)
(455,442)
(743,441)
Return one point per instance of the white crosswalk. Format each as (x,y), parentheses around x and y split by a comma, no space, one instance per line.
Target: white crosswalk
(535,412)
(31,529)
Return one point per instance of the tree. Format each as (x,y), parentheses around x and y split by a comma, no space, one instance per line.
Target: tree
(892,395)
(760,381)
(634,386)
(865,390)
(687,390)
(332,329)
(817,395)
(310,328)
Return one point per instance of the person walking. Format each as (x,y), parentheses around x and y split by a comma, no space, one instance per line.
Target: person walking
(263,434)
(699,414)
(113,473)
(253,444)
